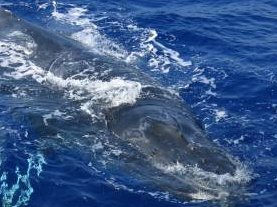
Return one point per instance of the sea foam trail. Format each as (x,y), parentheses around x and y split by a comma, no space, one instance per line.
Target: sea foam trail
(164,60)
(89,35)
(146,45)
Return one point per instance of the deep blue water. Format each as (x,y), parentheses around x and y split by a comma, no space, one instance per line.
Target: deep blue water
(220,56)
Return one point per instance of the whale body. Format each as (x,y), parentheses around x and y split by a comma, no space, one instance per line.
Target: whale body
(170,148)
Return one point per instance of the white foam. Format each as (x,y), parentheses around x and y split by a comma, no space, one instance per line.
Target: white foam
(99,44)
(73,16)
(205,180)
(203,79)
(42,6)
(97,146)
(89,35)
(55,114)
(161,57)
(237,141)
(208,81)
(241,175)
(202,196)
(152,36)
(210,92)
(220,114)
(117,91)
(111,93)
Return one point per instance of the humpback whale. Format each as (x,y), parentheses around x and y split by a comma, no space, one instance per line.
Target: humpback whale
(170,147)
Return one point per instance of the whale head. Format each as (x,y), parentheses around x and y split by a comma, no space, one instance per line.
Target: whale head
(173,141)
(168,134)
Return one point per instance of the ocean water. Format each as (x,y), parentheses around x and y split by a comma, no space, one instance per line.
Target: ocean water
(220,57)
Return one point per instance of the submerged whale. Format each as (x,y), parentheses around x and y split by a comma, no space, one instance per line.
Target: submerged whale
(170,147)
